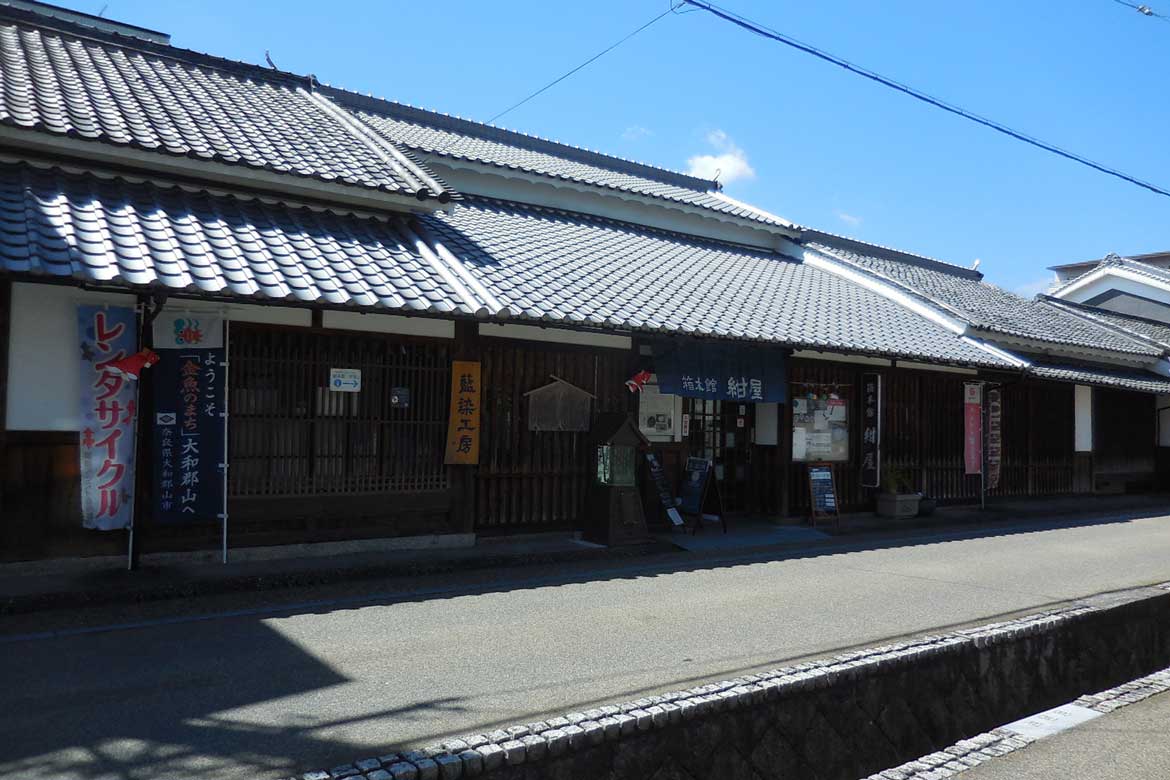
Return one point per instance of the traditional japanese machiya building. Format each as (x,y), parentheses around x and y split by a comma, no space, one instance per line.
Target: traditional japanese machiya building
(375,326)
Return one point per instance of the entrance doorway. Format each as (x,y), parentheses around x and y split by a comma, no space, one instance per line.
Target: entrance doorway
(720,431)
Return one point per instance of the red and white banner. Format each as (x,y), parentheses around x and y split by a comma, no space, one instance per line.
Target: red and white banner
(973,427)
(109,405)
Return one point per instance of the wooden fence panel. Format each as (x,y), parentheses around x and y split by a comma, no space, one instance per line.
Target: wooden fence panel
(537,479)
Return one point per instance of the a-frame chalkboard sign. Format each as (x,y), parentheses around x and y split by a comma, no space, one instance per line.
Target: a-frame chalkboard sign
(822,490)
(699,497)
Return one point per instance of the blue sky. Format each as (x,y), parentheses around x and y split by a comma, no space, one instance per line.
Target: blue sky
(793,134)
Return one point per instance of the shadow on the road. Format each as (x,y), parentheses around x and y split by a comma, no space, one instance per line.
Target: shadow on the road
(41,734)
(207,733)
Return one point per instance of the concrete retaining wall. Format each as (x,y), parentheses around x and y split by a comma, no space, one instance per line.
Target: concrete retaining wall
(840,718)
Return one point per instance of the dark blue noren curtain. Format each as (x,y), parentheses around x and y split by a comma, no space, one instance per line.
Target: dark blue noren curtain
(722,371)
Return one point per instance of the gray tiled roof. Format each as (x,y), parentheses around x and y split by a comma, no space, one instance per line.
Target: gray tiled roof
(485,257)
(153,97)
(1152,330)
(1142,381)
(430,133)
(78,226)
(1143,269)
(988,307)
(574,268)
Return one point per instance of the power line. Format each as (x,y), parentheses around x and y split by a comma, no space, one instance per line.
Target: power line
(1144,10)
(765,32)
(592,59)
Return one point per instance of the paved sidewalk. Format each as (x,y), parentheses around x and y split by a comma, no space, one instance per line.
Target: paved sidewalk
(1130,744)
(81,583)
(155,581)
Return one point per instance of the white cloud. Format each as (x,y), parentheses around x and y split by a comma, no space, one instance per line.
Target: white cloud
(848,219)
(636,132)
(730,164)
(1034,288)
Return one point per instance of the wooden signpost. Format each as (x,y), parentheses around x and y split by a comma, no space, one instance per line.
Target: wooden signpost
(699,495)
(823,494)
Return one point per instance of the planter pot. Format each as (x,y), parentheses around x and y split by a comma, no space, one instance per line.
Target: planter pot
(898,504)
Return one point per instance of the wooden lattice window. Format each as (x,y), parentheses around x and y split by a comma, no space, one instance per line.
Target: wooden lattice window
(291,435)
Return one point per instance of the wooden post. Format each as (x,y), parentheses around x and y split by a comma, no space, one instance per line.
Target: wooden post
(5,338)
(784,441)
(462,478)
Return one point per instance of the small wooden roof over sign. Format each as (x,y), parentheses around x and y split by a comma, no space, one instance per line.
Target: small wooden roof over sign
(559,406)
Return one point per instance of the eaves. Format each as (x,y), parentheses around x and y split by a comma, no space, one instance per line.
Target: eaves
(212,172)
(489,171)
(1072,351)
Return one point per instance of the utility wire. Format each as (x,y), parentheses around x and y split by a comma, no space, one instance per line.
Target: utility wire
(758,29)
(595,57)
(1145,10)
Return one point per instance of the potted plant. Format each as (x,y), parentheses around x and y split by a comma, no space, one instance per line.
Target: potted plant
(897,498)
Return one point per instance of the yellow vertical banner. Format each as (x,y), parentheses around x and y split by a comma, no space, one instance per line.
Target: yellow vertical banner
(463,424)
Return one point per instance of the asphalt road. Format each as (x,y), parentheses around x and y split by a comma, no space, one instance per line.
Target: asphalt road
(1132,743)
(254,686)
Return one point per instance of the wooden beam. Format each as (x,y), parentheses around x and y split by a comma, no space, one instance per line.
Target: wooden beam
(5,338)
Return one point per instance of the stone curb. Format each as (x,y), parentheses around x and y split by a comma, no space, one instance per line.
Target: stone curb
(575,731)
(968,753)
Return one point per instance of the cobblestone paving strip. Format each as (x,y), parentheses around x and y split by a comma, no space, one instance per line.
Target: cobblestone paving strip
(969,753)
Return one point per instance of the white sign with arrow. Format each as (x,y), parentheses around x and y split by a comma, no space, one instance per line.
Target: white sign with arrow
(345,380)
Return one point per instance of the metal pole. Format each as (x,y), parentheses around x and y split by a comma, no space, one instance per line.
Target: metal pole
(224,466)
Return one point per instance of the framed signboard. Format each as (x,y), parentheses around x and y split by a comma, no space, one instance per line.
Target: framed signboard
(699,494)
(822,489)
(820,427)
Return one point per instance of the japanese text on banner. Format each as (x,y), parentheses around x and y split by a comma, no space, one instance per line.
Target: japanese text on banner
(190,421)
(463,426)
(973,428)
(108,416)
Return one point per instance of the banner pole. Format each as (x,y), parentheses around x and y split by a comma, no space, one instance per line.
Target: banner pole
(224,466)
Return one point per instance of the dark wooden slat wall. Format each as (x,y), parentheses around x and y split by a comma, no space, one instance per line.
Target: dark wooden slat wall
(922,434)
(530,480)
(1124,447)
(332,464)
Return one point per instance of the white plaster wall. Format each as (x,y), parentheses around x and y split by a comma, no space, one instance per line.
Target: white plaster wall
(932,367)
(524,188)
(1139,286)
(389,323)
(44,363)
(555,335)
(1083,413)
(840,357)
(767,423)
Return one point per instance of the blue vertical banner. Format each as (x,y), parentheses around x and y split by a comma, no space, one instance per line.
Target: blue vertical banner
(722,371)
(190,419)
(109,409)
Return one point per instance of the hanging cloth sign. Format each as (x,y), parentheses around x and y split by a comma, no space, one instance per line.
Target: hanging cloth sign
(190,420)
(721,371)
(871,429)
(973,427)
(994,436)
(108,416)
